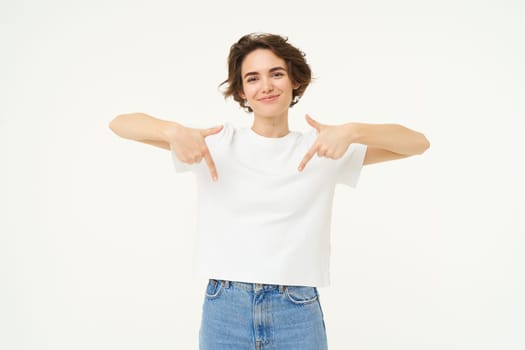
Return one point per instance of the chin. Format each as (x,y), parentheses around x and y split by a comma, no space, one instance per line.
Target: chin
(269,112)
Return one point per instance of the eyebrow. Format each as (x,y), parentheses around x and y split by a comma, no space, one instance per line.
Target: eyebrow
(271,71)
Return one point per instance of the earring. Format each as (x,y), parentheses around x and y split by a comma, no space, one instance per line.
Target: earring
(246,103)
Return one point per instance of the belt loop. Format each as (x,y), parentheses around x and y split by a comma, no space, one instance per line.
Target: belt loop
(281,289)
(226,284)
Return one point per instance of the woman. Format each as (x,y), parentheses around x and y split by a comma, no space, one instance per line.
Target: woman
(265,197)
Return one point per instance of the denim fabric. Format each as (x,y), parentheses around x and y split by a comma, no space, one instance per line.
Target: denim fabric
(242,316)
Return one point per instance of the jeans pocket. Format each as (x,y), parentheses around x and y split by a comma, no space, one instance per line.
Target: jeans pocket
(213,289)
(301,295)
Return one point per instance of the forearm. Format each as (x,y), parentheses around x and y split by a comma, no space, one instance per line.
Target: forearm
(392,137)
(140,127)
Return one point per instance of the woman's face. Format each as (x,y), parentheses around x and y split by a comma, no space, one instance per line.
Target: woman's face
(266,83)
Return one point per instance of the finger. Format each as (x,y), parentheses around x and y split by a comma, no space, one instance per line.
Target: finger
(307,157)
(314,124)
(329,154)
(211,165)
(322,151)
(211,131)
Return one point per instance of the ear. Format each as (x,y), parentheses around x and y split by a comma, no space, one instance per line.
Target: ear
(243,96)
(296,86)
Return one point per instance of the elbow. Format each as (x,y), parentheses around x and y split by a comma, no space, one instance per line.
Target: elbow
(111,125)
(114,124)
(425,144)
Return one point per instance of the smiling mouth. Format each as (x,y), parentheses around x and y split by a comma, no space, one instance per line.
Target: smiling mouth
(269,98)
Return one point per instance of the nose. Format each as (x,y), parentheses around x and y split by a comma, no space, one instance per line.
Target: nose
(267,85)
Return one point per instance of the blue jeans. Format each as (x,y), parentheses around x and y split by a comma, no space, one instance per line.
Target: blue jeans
(242,316)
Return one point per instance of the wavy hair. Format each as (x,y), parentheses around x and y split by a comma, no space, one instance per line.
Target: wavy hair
(298,69)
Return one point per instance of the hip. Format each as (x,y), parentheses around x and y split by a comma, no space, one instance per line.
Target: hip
(240,315)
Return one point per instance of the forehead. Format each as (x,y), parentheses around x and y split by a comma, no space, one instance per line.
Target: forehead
(261,60)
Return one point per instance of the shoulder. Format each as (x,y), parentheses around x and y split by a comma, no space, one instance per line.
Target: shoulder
(224,136)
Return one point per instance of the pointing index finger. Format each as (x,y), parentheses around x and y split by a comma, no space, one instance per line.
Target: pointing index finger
(211,165)
(308,156)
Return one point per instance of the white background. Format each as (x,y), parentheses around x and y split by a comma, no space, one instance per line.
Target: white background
(97,232)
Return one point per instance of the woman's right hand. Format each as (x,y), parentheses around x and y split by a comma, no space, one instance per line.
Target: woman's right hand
(187,143)
(189,146)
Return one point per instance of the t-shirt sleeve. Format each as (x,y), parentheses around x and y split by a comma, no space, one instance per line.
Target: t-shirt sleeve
(211,141)
(351,164)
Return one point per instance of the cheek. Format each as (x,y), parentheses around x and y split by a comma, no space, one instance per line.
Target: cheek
(249,91)
(285,86)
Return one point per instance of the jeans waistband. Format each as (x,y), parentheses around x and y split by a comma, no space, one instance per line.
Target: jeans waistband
(249,286)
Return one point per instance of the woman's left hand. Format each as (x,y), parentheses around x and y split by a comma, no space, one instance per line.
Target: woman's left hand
(332,141)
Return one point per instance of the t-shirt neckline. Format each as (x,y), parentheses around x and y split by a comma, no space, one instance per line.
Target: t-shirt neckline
(262,138)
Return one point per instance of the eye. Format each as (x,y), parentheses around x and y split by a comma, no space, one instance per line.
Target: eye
(278,74)
(251,79)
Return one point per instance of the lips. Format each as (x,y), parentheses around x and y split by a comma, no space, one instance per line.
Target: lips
(269,98)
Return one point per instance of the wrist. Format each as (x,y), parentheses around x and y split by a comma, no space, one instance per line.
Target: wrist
(169,130)
(353,132)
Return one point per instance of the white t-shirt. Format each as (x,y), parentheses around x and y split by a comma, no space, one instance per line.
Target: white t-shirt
(263,221)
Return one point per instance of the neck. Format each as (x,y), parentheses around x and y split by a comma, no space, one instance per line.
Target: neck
(271,126)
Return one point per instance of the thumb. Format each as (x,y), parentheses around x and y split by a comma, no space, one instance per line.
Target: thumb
(313,123)
(211,131)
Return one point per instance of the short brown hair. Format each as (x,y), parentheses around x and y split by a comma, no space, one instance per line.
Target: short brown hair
(298,69)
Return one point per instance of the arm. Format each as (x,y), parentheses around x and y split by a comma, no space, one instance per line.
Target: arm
(187,143)
(384,141)
(144,128)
